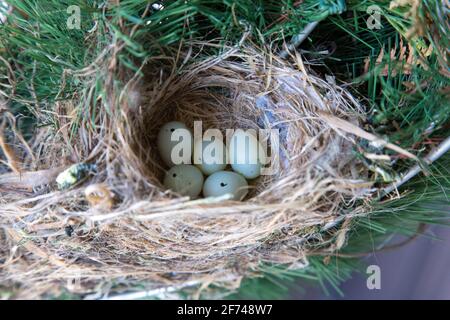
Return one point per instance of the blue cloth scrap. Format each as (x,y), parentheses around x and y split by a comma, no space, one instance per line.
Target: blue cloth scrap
(267,107)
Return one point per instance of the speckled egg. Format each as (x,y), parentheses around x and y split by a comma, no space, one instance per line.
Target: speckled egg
(246,153)
(184,179)
(225,182)
(214,156)
(168,148)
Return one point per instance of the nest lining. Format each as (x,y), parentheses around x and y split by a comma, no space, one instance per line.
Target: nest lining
(152,234)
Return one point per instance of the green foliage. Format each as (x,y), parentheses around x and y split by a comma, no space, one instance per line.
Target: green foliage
(406,107)
(41,47)
(277,282)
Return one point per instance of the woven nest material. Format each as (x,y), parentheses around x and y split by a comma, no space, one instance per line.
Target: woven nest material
(137,232)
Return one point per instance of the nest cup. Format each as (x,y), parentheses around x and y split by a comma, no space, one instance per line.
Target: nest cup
(250,89)
(156,237)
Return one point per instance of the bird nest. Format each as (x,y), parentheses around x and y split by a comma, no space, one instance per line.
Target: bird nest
(114,226)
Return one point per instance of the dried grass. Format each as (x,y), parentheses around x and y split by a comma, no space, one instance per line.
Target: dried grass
(153,236)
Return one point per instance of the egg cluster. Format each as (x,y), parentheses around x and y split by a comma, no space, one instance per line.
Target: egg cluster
(189,180)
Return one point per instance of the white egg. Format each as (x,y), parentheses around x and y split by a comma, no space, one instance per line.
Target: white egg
(225,182)
(210,156)
(184,179)
(246,153)
(178,151)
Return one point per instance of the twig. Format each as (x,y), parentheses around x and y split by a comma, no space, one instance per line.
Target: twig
(421,228)
(348,127)
(298,39)
(164,291)
(330,8)
(152,293)
(430,158)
